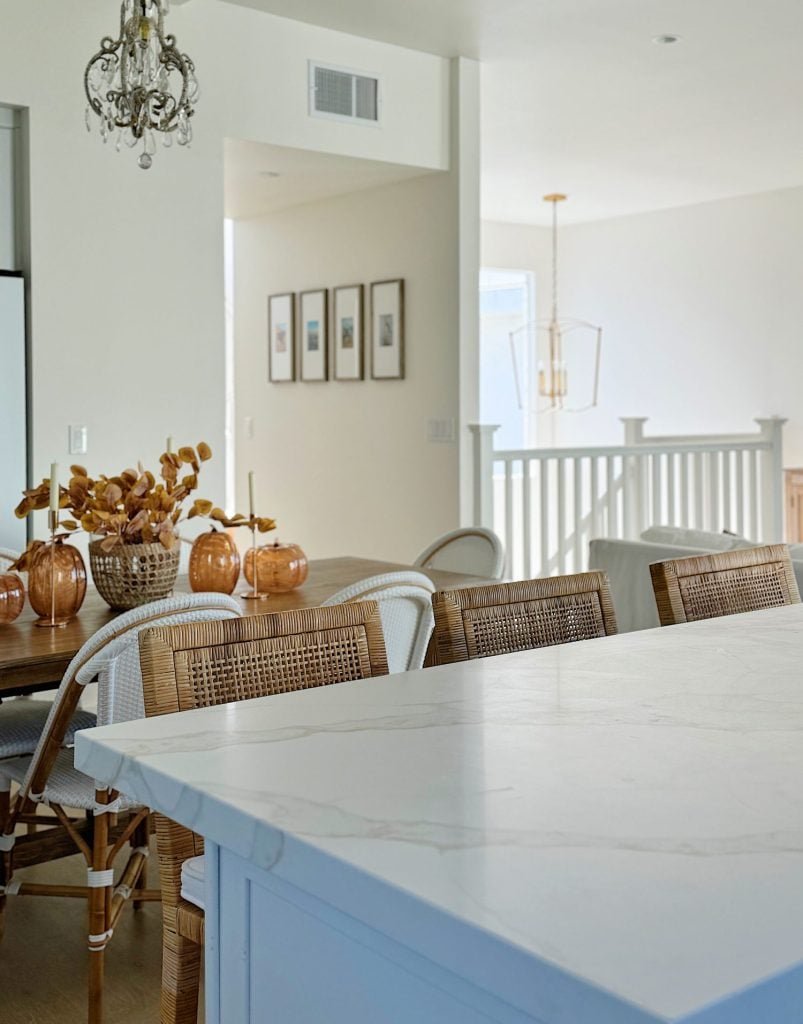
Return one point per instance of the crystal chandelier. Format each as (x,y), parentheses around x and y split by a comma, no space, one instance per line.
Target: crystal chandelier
(140,84)
(560,342)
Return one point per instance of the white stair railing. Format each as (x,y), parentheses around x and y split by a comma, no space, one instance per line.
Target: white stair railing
(548,503)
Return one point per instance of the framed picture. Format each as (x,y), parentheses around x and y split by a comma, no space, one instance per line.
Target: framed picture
(387,330)
(348,332)
(314,335)
(281,338)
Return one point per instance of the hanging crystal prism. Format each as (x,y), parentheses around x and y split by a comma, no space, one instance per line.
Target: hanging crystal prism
(140,83)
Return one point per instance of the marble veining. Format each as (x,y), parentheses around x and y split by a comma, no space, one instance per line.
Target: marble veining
(627,810)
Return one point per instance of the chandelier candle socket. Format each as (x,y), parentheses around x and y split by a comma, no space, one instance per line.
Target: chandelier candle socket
(140,83)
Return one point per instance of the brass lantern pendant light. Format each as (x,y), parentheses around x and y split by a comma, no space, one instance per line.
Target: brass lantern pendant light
(140,84)
(567,350)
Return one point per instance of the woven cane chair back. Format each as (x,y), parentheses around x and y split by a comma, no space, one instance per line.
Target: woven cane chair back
(724,583)
(211,663)
(480,622)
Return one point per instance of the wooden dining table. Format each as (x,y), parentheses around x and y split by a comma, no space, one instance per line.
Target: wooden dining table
(34,659)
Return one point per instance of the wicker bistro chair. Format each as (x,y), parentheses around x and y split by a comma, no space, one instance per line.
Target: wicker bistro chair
(474,550)
(725,583)
(194,666)
(405,607)
(22,721)
(110,658)
(480,622)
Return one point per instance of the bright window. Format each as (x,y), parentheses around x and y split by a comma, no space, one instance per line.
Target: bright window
(507,302)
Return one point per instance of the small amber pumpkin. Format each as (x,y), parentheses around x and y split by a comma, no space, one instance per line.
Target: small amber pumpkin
(56,569)
(12,596)
(280,567)
(214,563)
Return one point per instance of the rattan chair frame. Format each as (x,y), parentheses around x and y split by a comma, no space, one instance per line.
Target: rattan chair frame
(723,583)
(100,837)
(201,664)
(521,616)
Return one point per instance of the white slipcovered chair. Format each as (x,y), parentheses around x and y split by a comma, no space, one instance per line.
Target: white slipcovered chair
(111,659)
(474,550)
(405,607)
(22,721)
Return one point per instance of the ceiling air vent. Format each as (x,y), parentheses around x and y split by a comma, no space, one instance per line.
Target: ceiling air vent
(343,95)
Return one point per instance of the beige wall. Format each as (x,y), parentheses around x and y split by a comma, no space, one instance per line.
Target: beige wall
(346,467)
(126,267)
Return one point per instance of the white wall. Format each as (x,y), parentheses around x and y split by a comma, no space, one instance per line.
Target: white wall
(126,267)
(702,310)
(9,143)
(346,467)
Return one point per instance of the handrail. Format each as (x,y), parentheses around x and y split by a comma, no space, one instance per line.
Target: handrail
(547,503)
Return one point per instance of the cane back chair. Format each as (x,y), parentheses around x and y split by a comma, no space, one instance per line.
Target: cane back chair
(201,665)
(725,583)
(480,622)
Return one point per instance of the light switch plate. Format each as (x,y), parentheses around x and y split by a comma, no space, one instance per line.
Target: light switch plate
(441,431)
(78,436)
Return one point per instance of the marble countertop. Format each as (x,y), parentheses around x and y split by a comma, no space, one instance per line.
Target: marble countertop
(626,814)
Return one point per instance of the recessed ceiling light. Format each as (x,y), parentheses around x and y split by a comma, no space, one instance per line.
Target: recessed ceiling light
(666,40)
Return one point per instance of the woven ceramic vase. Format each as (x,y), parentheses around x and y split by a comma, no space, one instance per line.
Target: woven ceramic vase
(130,575)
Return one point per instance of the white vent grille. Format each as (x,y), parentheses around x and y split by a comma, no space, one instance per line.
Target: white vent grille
(344,95)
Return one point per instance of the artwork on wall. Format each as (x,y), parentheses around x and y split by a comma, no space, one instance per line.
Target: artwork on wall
(314,335)
(387,330)
(281,338)
(348,332)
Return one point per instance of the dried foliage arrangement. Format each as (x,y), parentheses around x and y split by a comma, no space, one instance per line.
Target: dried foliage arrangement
(205,508)
(132,508)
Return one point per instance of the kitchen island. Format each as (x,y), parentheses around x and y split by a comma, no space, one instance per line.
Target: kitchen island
(609,832)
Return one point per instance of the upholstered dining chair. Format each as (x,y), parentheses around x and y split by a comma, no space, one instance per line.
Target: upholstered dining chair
(474,550)
(192,666)
(7,557)
(111,659)
(480,622)
(405,607)
(724,583)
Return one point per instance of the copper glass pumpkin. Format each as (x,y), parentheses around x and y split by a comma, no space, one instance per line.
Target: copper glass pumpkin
(280,567)
(12,596)
(214,563)
(56,583)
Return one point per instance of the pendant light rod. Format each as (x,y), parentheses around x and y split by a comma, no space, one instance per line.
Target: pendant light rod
(555,198)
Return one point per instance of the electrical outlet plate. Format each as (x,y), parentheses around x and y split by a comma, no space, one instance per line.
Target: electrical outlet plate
(441,431)
(77,439)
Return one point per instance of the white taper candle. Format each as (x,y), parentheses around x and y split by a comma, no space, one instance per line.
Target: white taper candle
(251,491)
(54,486)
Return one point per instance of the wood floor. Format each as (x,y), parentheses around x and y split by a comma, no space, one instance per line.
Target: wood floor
(43,958)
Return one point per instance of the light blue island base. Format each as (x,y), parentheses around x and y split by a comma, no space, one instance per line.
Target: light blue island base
(609,832)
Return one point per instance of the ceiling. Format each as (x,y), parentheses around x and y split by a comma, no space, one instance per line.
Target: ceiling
(261,179)
(576,96)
